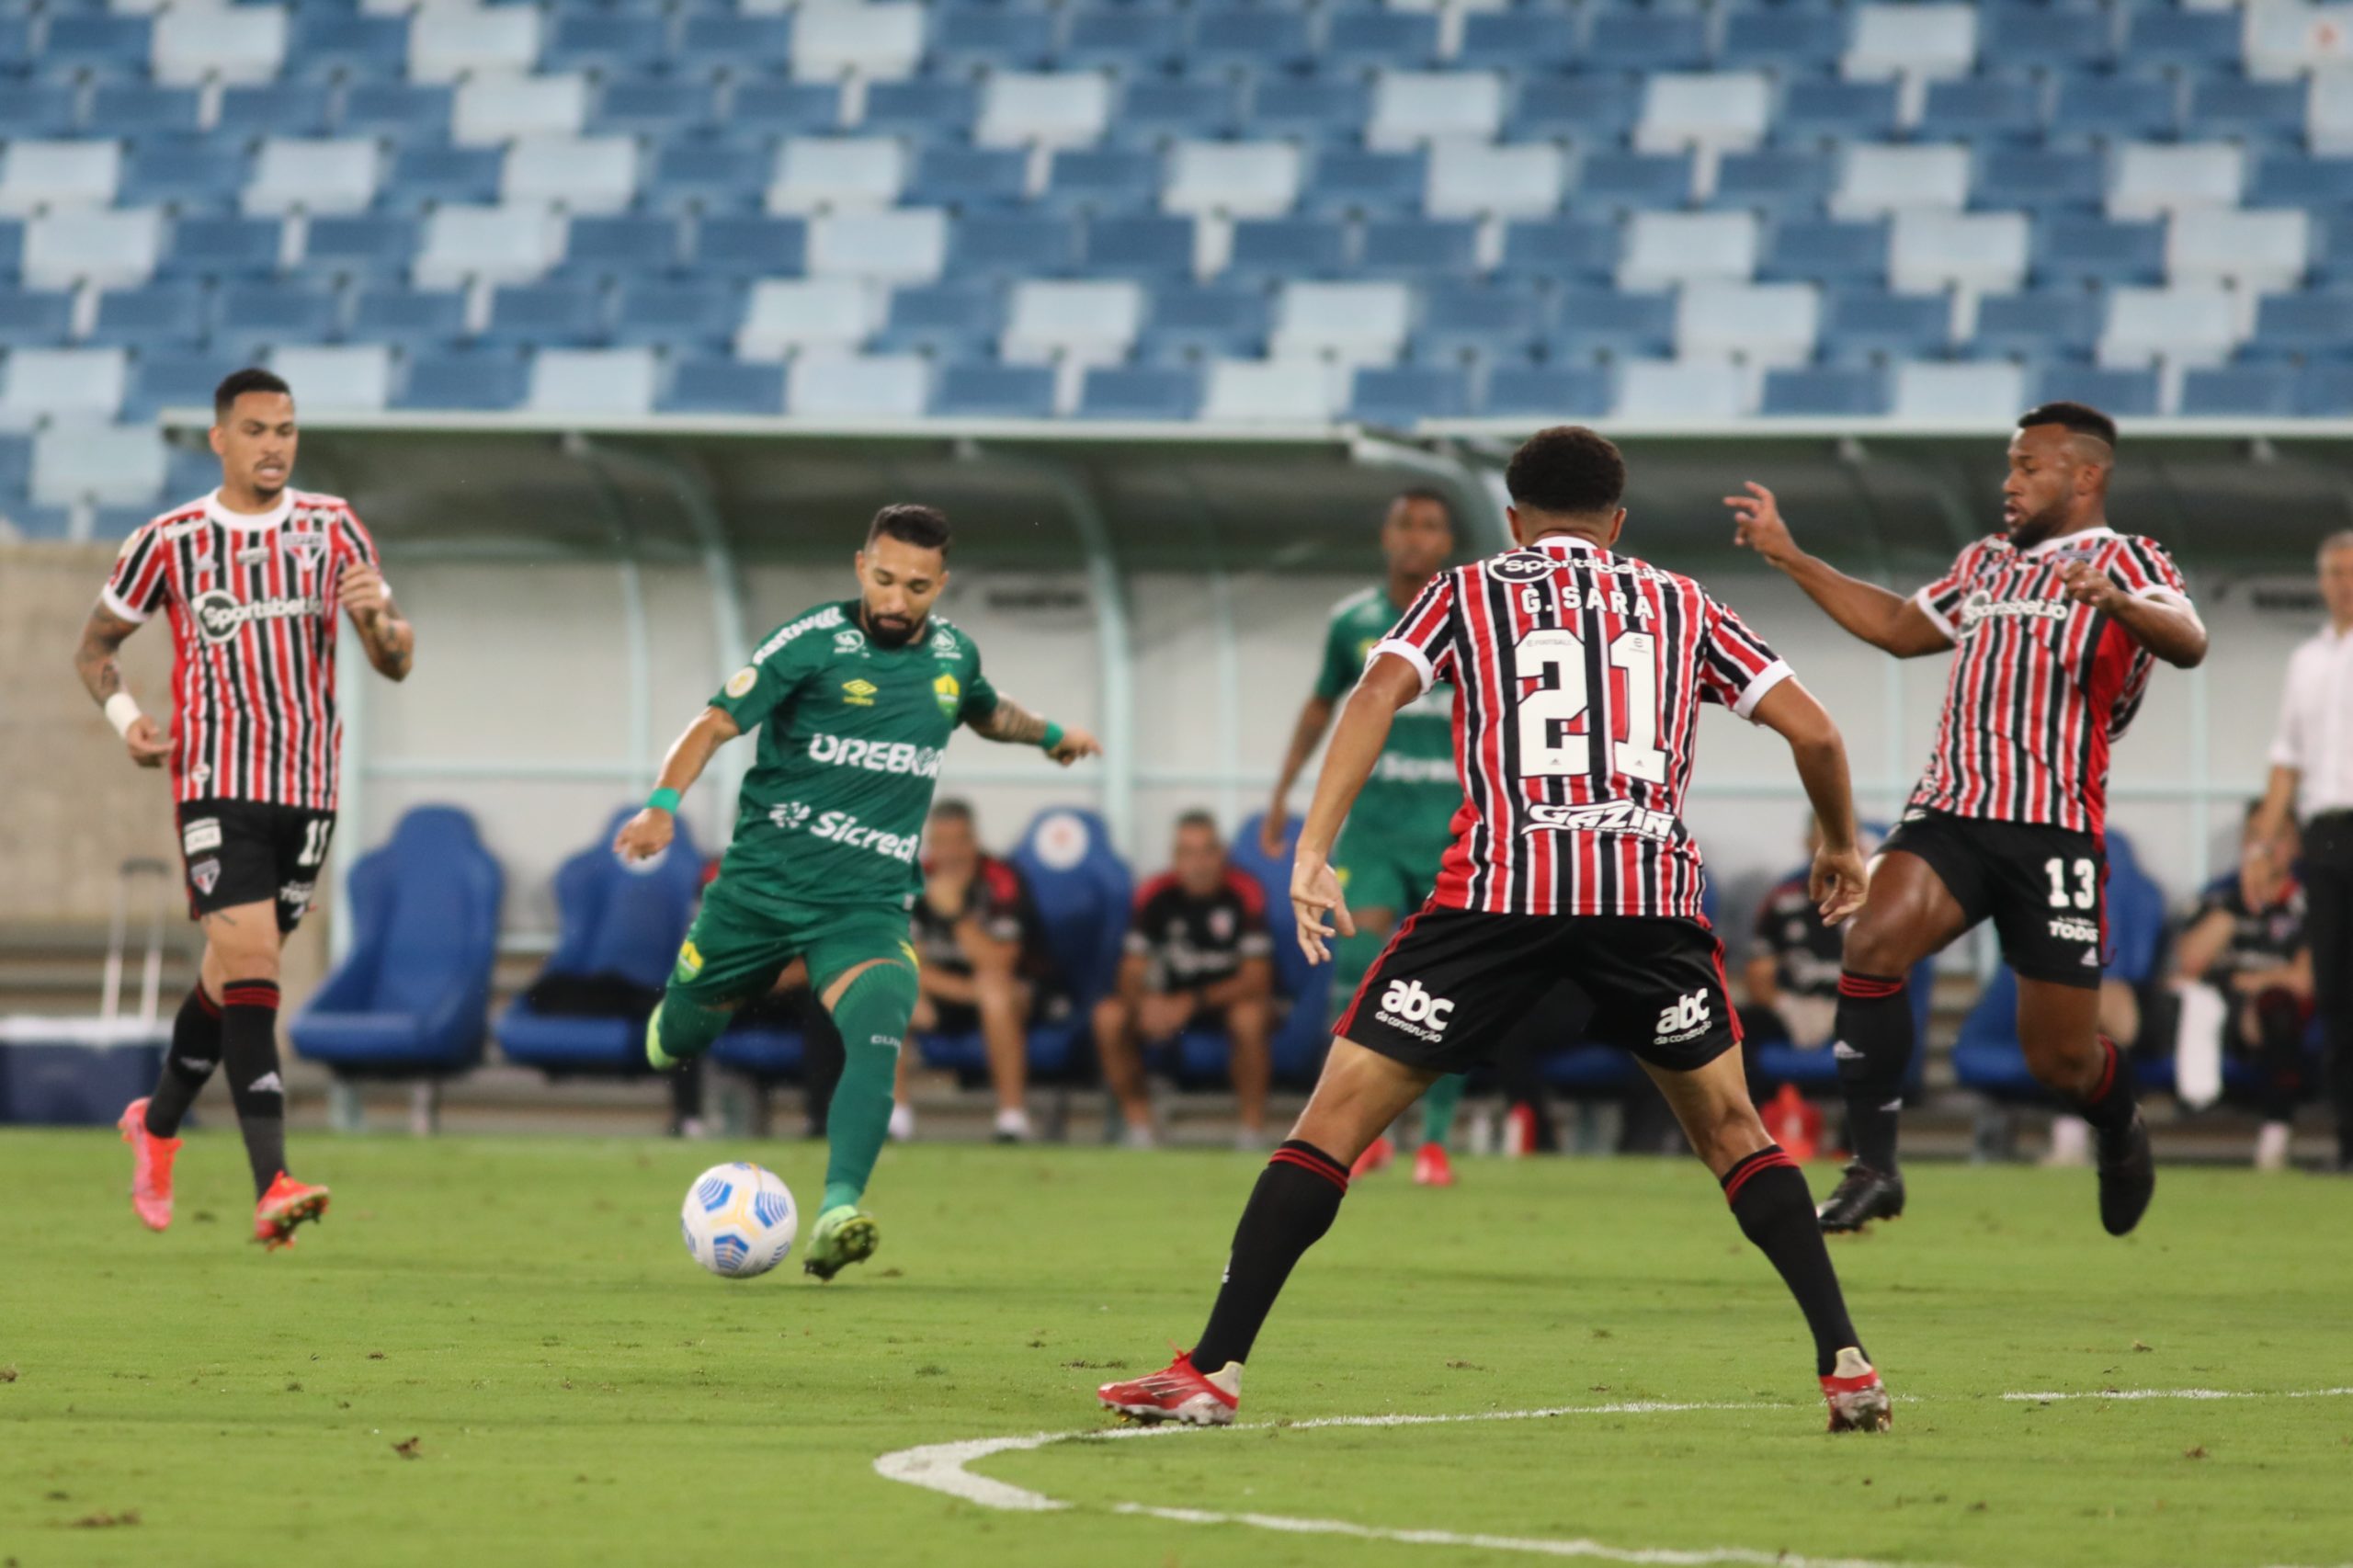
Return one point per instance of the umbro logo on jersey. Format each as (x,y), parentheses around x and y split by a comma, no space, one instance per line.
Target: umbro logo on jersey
(1610,816)
(1688,1019)
(219,615)
(1408,1007)
(859,693)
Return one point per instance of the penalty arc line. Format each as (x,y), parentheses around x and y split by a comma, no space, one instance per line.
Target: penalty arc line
(941,1467)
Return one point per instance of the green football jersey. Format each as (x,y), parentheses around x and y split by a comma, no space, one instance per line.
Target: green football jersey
(1414,789)
(851,738)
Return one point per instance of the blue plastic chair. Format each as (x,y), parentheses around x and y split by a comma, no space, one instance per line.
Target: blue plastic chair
(1305,1031)
(614,919)
(413,999)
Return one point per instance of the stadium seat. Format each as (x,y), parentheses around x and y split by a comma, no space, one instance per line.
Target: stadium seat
(1155,111)
(354,376)
(1790,185)
(1135,41)
(36,318)
(95,44)
(634,244)
(1238,179)
(2251,112)
(525,315)
(2297,179)
(1547,392)
(2328,125)
(1646,41)
(1242,40)
(493,110)
(1356,322)
(652,107)
(1827,251)
(410,320)
(2070,249)
(1272,391)
(1471,320)
(1534,39)
(1148,392)
(978,37)
(452,43)
(2152,179)
(1605,323)
(1977,251)
(604,384)
(602,41)
(1819,392)
(1412,108)
(314,176)
(1104,180)
(1818,111)
(963,177)
(1623,182)
(948,320)
(1566,250)
(330,44)
(2126,393)
(1303,1032)
(1864,326)
(1667,248)
(1400,396)
(465,380)
(1043,110)
(2326,392)
(143,110)
(1404,40)
(750,246)
(835,385)
(195,45)
(1144,248)
(1875,181)
(722,42)
(1588,109)
(2079,37)
(152,316)
(2204,39)
(1314,109)
(724,386)
(187,174)
(1418,248)
(698,175)
(786,316)
(1981,109)
(488,245)
(1083,894)
(115,249)
(423,176)
(1677,392)
(784,108)
(52,176)
(2316,323)
(1758,323)
(1092,323)
(2253,252)
(2050,323)
(1915,41)
(34,110)
(75,461)
(1989,393)
(904,246)
(2102,109)
(412,998)
(2242,391)
(1281,247)
(816,174)
(877,41)
(577,174)
(2194,325)
(370,246)
(987,245)
(2041,180)
(994,392)
(1798,41)
(1216,321)
(1465,179)
(401,111)
(1722,110)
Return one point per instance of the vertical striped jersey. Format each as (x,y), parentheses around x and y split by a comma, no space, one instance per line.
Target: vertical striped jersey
(252,602)
(2041,687)
(1578,675)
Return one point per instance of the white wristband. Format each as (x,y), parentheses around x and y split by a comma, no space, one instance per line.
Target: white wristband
(122,711)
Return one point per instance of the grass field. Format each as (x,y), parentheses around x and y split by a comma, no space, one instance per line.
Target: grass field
(577,1392)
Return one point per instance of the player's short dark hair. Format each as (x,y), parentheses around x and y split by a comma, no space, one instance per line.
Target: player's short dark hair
(953,809)
(1423,492)
(1198,818)
(2080,417)
(237,383)
(909,522)
(1567,471)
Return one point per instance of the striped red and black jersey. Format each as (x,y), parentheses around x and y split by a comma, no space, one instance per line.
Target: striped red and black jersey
(252,602)
(2041,687)
(1578,675)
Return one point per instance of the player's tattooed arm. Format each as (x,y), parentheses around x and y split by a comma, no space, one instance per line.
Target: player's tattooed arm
(103,636)
(1015,725)
(390,641)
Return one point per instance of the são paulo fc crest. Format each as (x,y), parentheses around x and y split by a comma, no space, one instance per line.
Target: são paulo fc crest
(1522,566)
(206,875)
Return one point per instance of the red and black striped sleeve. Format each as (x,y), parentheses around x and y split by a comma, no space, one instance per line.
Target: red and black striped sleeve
(141,580)
(2145,569)
(1940,600)
(1736,667)
(1425,635)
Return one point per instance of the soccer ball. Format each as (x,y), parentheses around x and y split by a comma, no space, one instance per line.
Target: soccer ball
(739,1220)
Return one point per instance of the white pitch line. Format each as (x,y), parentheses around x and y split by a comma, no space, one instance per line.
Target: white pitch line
(2183,1393)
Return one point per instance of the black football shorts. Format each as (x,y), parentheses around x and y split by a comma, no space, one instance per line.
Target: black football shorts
(2044,888)
(251,851)
(1453,983)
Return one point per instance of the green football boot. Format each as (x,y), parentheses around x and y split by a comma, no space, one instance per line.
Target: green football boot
(845,1234)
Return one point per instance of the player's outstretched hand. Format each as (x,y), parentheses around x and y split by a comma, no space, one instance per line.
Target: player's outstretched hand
(150,747)
(363,593)
(2087,585)
(645,836)
(1758,525)
(1076,743)
(1837,883)
(1314,897)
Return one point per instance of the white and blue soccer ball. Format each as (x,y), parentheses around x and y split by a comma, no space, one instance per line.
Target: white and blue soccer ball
(739,1220)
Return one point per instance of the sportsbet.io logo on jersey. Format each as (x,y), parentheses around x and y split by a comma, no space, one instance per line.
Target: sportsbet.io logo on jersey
(219,614)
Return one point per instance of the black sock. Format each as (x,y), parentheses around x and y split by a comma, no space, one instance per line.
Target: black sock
(2281,1018)
(195,1052)
(249,1047)
(1294,1203)
(2109,1108)
(1874,1052)
(1768,1196)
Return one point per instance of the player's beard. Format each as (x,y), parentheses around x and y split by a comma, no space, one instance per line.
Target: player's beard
(885,634)
(2036,528)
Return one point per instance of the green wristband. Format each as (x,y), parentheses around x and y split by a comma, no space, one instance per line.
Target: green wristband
(663,801)
(1053,737)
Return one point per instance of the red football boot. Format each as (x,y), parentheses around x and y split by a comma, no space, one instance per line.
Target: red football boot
(151,1167)
(1180,1393)
(1859,1401)
(1431,1167)
(1376,1153)
(286,1205)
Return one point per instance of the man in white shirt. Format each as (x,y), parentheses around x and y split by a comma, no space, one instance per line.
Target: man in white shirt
(2312,773)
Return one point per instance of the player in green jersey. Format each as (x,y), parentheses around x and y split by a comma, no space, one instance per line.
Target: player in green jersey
(855,702)
(1402,825)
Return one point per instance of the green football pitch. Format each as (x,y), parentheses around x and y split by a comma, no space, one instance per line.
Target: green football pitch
(496,1351)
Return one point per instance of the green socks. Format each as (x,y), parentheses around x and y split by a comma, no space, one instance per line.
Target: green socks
(1438,1103)
(872,1018)
(680,1029)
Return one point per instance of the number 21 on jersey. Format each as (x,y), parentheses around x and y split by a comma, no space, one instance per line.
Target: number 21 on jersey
(1549,743)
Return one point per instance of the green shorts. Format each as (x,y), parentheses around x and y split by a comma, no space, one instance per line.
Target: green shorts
(1379,868)
(734,950)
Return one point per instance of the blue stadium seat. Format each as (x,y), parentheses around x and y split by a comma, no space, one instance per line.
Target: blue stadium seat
(1399,40)
(990,390)
(1103,180)
(2300,179)
(2046,35)
(1588,109)
(971,38)
(621,243)
(327,43)
(784,108)
(2065,323)
(15,46)
(465,381)
(1646,41)
(1604,324)
(2126,393)
(37,109)
(1978,109)
(1870,326)
(1569,249)
(925,107)
(2242,391)
(614,921)
(1251,40)
(1130,38)
(1154,247)
(169,377)
(948,320)
(221,248)
(541,314)
(1154,110)
(602,41)
(1634,181)
(1418,248)
(400,111)
(141,108)
(724,386)
(2072,249)
(1783,182)
(363,245)
(653,106)
(1825,392)
(97,43)
(2259,112)
(1347,180)
(411,320)
(1140,391)
(751,246)
(12,248)
(677,313)
(1400,395)
(426,177)
(35,318)
(413,997)
(250,316)
(1825,252)
(188,174)
(1472,321)
(701,173)
(2316,324)
(1829,110)
(1024,245)
(1281,247)
(1304,1035)
(2163,35)
(1786,38)
(2332,245)
(725,42)
(281,109)
(2116,108)
(2038,180)
(37,522)
(1332,108)
(1548,393)
(1530,39)
(1211,322)
(16,460)
(961,177)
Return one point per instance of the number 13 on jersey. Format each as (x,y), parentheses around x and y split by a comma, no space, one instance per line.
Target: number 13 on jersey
(1549,742)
